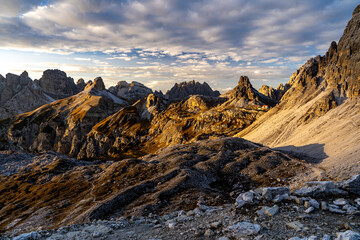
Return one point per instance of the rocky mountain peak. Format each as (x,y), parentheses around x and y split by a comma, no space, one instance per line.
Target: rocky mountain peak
(244,95)
(80,84)
(24,74)
(184,89)
(130,91)
(56,83)
(244,81)
(99,84)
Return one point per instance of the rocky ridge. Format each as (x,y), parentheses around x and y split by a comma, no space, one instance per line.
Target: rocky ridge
(244,95)
(54,190)
(318,210)
(134,130)
(318,114)
(130,91)
(273,93)
(186,89)
(62,124)
(19,94)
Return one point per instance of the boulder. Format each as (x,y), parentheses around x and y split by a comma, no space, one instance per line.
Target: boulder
(319,189)
(348,235)
(271,193)
(244,229)
(352,185)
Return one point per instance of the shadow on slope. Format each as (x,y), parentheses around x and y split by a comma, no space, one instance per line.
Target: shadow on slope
(311,153)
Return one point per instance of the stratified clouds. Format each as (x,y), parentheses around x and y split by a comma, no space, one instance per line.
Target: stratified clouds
(264,39)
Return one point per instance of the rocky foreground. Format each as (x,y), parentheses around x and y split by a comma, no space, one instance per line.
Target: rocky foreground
(320,210)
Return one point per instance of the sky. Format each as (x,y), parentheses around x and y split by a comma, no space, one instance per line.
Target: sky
(161,42)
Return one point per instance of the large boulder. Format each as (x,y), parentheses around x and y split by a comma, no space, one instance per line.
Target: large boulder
(353,185)
(319,189)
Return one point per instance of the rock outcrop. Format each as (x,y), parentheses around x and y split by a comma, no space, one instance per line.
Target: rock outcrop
(275,94)
(75,191)
(244,95)
(80,85)
(130,91)
(19,94)
(57,85)
(186,89)
(153,123)
(318,114)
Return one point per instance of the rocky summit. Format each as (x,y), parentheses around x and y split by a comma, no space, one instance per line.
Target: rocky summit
(185,89)
(83,161)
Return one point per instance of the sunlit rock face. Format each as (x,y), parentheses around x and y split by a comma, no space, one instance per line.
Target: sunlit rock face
(244,95)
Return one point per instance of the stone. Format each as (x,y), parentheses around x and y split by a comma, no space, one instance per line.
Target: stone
(244,229)
(319,189)
(314,203)
(348,235)
(353,184)
(262,211)
(324,205)
(171,224)
(270,193)
(309,210)
(215,224)
(28,236)
(243,199)
(336,210)
(272,211)
(223,238)
(340,202)
(349,209)
(326,237)
(209,233)
(297,226)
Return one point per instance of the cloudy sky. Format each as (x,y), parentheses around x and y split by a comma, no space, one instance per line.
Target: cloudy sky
(160,42)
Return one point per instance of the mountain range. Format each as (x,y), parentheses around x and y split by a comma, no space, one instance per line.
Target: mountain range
(83,152)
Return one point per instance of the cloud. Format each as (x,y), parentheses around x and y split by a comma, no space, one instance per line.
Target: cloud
(206,40)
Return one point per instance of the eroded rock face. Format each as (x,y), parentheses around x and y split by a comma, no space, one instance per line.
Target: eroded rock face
(56,83)
(275,94)
(244,95)
(186,89)
(62,125)
(20,94)
(130,91)
(80,85)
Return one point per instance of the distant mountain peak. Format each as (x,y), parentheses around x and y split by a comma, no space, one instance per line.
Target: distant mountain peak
(244,95)
(185,89)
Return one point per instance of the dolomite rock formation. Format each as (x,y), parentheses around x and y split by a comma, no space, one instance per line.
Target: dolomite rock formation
(186,89)
(130,91)
(244,95)
(319,114)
